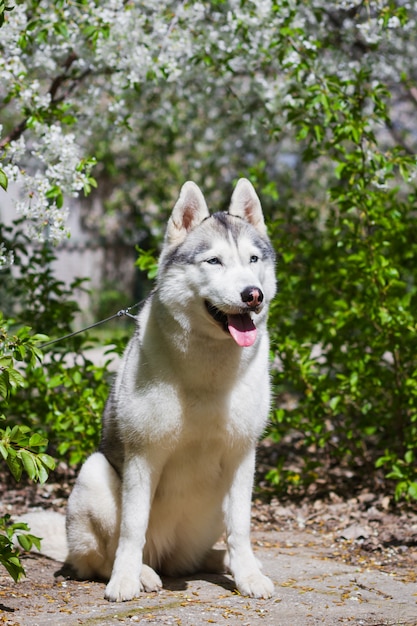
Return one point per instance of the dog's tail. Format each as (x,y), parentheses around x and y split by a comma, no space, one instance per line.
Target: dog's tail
(49,526)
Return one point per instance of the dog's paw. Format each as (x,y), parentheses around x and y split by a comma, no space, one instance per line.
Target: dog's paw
(255,585)
(122,588)
(149,579)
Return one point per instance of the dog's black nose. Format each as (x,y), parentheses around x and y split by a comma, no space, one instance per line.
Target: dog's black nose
(252,296)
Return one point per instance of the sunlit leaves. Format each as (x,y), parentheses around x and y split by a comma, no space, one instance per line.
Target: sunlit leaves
(21,451)
(9,554)
(347,336)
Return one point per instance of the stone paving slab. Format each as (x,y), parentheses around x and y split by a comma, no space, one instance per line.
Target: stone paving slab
(312,588)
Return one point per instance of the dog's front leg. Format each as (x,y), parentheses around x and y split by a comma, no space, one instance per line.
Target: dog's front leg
(129,576)
(242,562)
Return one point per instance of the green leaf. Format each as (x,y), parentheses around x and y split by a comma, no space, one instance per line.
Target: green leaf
(42,474)
(13,566)
(14,464)
(25,541)
(47,460)
(3,180)
(3,451)
(334,402)
(412,490)
(36,440)
(29,463)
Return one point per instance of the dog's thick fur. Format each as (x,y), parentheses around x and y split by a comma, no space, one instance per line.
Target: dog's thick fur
(176,461)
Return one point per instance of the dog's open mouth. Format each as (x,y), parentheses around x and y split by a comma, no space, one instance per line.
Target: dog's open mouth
(239,325)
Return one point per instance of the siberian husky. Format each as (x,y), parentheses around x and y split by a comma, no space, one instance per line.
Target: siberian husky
(175,466)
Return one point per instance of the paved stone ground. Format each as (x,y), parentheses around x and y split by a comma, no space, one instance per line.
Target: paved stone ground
(314,585)
(342,554)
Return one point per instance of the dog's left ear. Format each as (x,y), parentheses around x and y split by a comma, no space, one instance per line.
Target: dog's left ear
(189,211)
(246,204)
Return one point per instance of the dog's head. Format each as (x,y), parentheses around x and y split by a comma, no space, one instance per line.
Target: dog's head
(221,266)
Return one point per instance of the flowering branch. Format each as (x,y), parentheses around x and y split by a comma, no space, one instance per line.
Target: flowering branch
(227,71)
(14,134)
(56,84)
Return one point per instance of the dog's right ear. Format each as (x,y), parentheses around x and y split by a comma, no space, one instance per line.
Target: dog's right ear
(246,204)
(189,211)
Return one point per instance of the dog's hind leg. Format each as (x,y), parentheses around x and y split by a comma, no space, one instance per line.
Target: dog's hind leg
(93,519)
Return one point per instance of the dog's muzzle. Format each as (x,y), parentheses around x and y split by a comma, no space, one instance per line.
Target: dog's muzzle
(240,324)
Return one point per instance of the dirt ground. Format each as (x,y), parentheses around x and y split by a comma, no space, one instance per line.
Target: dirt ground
(338,554)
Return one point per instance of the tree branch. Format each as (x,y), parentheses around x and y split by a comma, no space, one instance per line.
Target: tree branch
(58,80)
(14,134)
(53,90)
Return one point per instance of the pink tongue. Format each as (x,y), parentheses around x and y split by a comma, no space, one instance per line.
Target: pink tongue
(242,329)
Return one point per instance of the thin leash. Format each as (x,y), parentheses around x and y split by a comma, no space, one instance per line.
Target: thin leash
(121,313)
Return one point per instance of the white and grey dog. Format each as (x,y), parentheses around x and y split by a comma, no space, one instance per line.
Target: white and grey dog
(176,461)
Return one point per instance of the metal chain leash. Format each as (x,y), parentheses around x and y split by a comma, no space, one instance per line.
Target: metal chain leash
(121,313)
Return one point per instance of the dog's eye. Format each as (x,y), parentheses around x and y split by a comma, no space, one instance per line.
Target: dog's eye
(254,258)
(214,261)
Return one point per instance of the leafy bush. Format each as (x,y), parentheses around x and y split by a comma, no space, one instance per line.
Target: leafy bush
(344,324)
(9,554)
(22,450)
(62,397)
(19,447)
(49,402)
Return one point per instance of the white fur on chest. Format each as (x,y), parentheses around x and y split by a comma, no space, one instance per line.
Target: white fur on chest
(212,389)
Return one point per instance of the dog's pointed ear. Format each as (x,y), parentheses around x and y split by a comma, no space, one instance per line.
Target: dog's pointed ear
(246,204)
(189,211)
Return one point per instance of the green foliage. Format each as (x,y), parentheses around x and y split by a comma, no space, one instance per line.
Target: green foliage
(29,292)
(3,180)
(9,554)
(344,324)
(61,398)
(49,404)
(22,450)
(18,448)
(147,262)
(73,399)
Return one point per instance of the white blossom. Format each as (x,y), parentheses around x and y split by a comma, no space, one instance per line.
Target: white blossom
(6,257)
(370,31)
(89,70)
